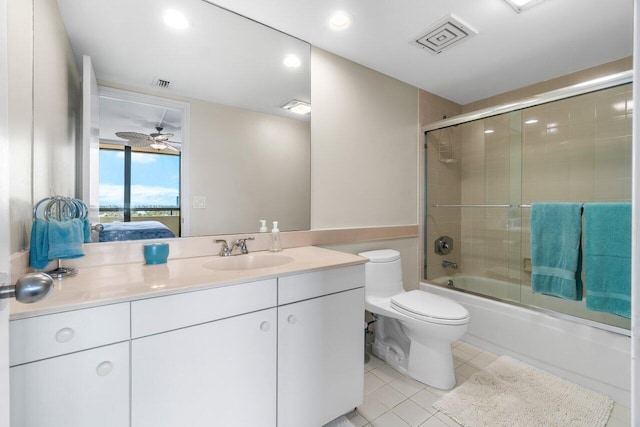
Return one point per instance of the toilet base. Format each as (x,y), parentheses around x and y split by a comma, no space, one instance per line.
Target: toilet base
(432,364)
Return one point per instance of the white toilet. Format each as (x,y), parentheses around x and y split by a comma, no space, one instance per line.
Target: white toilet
(415,329)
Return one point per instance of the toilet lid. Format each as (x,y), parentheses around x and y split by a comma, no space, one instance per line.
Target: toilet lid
(381,255)
(429,307)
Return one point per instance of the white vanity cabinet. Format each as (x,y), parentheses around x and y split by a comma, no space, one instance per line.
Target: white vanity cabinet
(279,352)
(320,346)
(217,364)
(66,371)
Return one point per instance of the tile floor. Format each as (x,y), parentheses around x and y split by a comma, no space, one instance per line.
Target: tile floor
(395,400)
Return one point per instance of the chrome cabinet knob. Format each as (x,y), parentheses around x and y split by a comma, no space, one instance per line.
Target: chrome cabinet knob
(292,319)
(29,288)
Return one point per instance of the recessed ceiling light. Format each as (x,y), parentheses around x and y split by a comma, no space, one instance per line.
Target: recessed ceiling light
(520,5)
(175,19)
(292,61)
(340,20)
(298,107)
(488,131)
(531,121)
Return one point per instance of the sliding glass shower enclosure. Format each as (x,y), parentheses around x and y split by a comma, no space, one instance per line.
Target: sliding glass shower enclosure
(483,174)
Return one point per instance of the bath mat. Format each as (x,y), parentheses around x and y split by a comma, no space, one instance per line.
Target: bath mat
(340,422)
(511,393)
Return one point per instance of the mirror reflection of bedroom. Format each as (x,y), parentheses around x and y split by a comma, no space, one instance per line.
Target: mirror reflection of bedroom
(192,130)
(139,169)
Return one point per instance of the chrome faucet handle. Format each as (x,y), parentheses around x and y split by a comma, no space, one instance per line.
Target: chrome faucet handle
(224,249)
(242,244)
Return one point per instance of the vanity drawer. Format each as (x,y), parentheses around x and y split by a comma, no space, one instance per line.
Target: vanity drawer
(318,283)
(155,315)
(51,335)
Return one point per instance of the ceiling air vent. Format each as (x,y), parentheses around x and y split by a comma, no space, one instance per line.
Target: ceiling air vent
(444,34)
(160,82)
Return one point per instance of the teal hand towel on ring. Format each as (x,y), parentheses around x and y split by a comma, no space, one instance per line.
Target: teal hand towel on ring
(66,238)
(555,249)
(607,257)
(39,244)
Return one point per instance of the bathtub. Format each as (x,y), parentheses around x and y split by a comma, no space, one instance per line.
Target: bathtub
(592,357)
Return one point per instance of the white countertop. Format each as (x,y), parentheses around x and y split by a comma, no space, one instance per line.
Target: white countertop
(109,284)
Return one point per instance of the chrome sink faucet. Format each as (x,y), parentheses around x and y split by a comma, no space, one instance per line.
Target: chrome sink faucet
(226,250)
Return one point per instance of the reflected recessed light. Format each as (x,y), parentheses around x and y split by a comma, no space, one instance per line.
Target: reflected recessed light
(488,131)
(292,61)
(531,121)
(175,19)
(340,20)
(520,5)
(298,107)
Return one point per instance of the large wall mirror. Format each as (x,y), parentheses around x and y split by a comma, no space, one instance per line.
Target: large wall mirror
(217,83)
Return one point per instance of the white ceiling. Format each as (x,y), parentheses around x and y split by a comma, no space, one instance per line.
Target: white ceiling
(118,115)
(553,38)
(221,58)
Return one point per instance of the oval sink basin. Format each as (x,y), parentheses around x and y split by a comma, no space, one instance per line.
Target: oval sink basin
(248,262)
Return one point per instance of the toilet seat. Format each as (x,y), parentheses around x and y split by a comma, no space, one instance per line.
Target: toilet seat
(431,308)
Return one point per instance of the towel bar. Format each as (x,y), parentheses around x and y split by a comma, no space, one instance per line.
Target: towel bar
(470,206)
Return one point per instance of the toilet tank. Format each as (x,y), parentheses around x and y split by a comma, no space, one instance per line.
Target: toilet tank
(383,273)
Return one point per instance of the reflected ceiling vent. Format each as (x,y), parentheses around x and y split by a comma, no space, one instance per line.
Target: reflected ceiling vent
(444,34)
(298,107)
(161,82)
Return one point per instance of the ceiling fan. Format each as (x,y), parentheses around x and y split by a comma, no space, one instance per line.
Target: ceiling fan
(156,140)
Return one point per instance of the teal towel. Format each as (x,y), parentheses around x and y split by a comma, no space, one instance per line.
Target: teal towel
(555,249)
(607,257)
(86,230)
(66,238)
(39,245)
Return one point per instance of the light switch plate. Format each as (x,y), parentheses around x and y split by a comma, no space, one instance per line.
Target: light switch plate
(199,202)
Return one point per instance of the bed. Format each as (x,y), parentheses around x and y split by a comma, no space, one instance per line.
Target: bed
(136,230)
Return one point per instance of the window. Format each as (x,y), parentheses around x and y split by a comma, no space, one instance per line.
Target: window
(139,185)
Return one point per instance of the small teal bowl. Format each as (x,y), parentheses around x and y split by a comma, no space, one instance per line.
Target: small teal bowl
(156,253)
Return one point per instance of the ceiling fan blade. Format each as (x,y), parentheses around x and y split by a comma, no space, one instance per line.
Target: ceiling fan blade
(132,135)
(172,148)
(139,142)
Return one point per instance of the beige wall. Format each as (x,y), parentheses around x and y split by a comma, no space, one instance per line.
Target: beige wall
(364,129)
(249,166)
(57,104)
(43,160)
(365,154)
(20,44)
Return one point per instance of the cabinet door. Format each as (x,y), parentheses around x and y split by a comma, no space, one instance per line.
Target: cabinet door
(221,373)
(88,388)
(320,358)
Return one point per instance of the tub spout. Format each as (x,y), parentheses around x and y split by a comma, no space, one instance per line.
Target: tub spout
(450,264)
